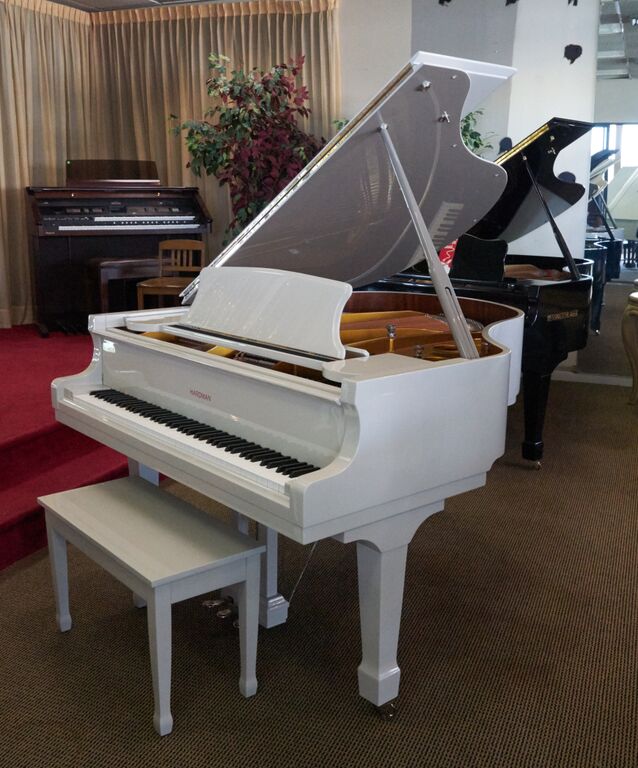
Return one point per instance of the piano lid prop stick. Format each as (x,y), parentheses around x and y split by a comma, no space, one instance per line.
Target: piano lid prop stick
(603,210)
(558,235)
(440,280)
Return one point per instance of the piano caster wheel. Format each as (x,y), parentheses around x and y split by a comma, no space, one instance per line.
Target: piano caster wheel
(386,712)
(538,466)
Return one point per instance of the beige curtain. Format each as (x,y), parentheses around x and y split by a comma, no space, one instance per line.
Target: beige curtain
(104,85)
(44,55)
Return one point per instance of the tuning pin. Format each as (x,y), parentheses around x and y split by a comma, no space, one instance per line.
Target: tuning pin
(392,334)
(418,351)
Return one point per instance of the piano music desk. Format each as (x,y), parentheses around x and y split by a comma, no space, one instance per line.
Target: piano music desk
(165,551)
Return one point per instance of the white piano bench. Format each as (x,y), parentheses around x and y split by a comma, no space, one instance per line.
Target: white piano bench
(165,551)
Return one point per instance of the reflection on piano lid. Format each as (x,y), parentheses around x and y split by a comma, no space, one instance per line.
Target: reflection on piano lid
(344,216)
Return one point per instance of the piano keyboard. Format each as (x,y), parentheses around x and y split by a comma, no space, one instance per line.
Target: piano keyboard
(261,464)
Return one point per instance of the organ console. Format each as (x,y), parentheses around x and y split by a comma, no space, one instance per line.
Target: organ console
(315,411)
(74,227)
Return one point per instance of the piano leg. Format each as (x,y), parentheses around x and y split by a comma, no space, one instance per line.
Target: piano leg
(535,394)
(381,578)
(381,555)
(135,469)
(273,607)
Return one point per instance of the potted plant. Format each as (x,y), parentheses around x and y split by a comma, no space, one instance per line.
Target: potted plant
(472,137)
(250,139)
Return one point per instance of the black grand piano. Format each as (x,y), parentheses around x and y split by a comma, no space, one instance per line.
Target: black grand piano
(556,310)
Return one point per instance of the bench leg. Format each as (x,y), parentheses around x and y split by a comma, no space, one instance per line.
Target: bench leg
(248,595)
(159,640)
(59,573)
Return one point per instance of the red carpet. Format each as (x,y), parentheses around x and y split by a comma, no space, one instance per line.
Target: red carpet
(39,455)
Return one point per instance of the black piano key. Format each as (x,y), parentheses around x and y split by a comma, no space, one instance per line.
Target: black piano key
(159,416)
(147,410)
(241,448)
(215,438)
(275,461)
(178,422)
(289,463)
(117,397)
(302,471)
(206,433)
(253,456)
(299,466)
(196,431)
(189,425)
(230,442)
(292,464)
(254,453)
(167,419)
(271,455)
(199,429)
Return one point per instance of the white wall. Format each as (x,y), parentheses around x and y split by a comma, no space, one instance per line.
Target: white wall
(378,37)
(547,85)
(481,30)
(374,44)
(616,101)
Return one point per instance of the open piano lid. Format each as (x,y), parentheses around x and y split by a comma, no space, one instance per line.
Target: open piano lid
(344,217)
(599,163)
(519,211)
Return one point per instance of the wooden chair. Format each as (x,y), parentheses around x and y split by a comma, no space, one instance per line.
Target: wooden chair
(179,262)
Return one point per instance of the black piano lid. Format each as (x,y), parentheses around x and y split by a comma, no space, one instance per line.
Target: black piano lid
(600,161)
(519,211)
(344,216)
(113,172)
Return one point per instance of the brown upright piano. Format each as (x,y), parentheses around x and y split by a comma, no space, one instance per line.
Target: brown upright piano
(108,210)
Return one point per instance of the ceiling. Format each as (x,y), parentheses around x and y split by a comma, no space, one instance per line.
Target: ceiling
(617,36)
(618,39)
(118,5)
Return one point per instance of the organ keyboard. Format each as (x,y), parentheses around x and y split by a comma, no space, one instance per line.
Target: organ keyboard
(313,410)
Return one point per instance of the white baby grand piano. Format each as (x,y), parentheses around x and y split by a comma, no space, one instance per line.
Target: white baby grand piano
(315,411)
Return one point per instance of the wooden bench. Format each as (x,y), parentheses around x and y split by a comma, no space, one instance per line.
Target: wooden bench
(165,551)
